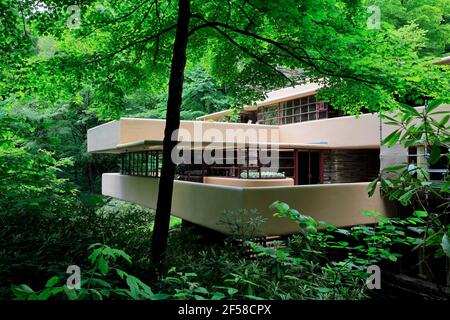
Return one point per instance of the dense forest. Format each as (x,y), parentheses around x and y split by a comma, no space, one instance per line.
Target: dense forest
(67,67)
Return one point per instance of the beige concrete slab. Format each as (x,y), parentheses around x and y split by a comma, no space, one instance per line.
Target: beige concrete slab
(204,204)
(240,182)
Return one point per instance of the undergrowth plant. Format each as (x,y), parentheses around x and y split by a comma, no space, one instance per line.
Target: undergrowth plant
(106,279)
(423,185)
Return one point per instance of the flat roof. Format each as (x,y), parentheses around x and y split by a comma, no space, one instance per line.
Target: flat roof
(272,97)
(215,115)
(157,145)
(289,93)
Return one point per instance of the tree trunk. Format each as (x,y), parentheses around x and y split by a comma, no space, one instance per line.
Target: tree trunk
(164,204)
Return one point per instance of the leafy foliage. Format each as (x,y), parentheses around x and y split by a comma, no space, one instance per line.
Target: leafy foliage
(430,15)
(411,184)
(243,224)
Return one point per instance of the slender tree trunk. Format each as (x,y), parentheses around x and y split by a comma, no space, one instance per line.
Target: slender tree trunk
(164,204)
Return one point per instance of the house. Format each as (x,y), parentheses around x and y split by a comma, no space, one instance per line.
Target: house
(290,147)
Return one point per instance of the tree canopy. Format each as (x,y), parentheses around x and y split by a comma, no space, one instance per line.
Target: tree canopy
(121,49)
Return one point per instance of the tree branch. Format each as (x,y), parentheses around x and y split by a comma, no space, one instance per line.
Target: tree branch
(283,47)
(254,56)
(133,43)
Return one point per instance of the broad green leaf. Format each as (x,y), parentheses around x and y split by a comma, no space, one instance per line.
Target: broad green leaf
(372,187)
(253,297)
(432,105)
(218,296)
(280,206)
(392,138)
(103,265)
(21,290)
(52,281)
(96,295)
(404,198)
(394,168)
(201,290)
(421,214)
(134,289)
(371,213)
(444,121)
(410,110)
(160,296)
(435,154)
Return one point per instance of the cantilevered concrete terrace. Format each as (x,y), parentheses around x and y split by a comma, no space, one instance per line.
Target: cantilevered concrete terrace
(203,202)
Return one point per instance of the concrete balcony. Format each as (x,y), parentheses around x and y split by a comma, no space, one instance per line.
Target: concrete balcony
(339,204)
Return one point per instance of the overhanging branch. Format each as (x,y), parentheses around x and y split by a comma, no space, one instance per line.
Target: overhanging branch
(281,46)
(134,43)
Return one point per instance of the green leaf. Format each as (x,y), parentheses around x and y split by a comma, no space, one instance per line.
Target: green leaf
(343,231)
(201,290)
(70,293)
(416,229)
(134,289)
(392,258)
(57,290)
(435,154)
(444,121)
(372,187)
(103,265)
(253,297)
(395,168)
(280,206)
(96,295)
(44,295)
(410,110)
(432,105)
(160,296)
(52,281)
(93,256)
(392,138)
(404,198)
(370,213)
(94,245)
(421,214)
(101,282)
(392,120)
(217,296)
(232,291)
(21,290)
(122,274)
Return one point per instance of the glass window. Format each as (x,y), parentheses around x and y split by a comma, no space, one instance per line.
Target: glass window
(296,110)
(304,109)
